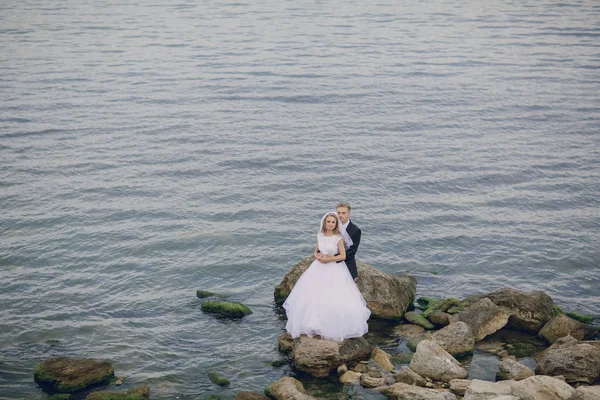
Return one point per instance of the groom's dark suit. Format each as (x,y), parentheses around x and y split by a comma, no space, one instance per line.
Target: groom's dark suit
(354,233)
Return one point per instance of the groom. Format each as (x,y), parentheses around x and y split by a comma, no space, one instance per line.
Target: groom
(343,211)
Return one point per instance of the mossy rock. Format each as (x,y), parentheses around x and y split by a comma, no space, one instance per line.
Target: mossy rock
(70,375)
(226,309)
(137,393)
(456,309)
(278,363)
(443,305)
(218,379)
(414,341)
(586,319)
(202,294)
(403,358)
(60,396)
(418,319)
(213,397)
(426,302)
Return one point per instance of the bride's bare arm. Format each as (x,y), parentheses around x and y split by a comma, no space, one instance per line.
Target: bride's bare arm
(340,257)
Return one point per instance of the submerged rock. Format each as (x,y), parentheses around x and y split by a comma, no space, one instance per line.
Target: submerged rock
(387,296)
(226,309)
(586,319)
(137,393)
(69,375)
(218,379)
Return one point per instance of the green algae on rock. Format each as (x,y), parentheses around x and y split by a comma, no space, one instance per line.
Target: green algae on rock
(586,319)
(60,396)
(218,379)
(69,375)
(418,319)
(202,294)
(443,305)
(426,302)
(137,393)
(226,309)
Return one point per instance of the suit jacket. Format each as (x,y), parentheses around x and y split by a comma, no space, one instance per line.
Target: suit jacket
(354,233)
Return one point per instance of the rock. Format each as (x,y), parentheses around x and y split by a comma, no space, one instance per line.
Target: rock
(226,309)
(354,350)
(414,341)
(561,326)
(586,319)
(443,305)
(407,330)
(372,379)
(402,358)
(202,294)
(342,369)
(387,296)
(542,387)
(382,359)
(507,397)
(218,379)
(350,377)
(137,393)
(483,390)
(576,361)
(431,361)
(439,318)
(426,302)
(418,319)
(361,367)
(513,370)
(483,318)
(285,343)
(402,391)
(586,393)
(528,311)
(459,386)
(456,339)
(60,396)
(250,396)
(69,375)
(410,377)
(287,388)
(316,357)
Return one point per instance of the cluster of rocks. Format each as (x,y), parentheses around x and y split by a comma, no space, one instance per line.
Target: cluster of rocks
(446,330)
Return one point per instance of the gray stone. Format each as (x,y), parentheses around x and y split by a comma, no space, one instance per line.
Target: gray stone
(410,377)
(459,386)
(561,326)
(316,357)
(483,390)
(439,318)
(483,318)
(513,370)
(287,388)
(528,311)
(456,339)
(432,361)
(576,361)
(586,393)
(407,330)
(372,379)
(542,387)
(402,391)
(382,359)
(350,377)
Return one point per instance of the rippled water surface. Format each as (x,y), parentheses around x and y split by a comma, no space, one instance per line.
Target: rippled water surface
(149,149)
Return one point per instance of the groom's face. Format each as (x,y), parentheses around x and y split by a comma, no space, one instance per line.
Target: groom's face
(343,214)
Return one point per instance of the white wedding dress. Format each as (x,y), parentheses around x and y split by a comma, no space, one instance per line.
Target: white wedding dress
(325,300)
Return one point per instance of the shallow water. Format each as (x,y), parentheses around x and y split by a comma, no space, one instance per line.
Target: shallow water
(149,150)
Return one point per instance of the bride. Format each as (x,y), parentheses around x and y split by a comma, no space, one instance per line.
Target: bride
(325,300)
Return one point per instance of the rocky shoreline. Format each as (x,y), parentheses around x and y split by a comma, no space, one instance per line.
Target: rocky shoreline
(541,352)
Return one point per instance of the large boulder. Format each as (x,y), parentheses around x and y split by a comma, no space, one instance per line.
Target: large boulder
(432,361)
(484,390)
(318,357)
(542,387)
(513,370)
(586,393)
(250,396)
(137,393)
(457,339)
(483,318)
(287,388)
(69,375)
(576,361)
(528,311)
(387,296)
(402,391)
(561,326)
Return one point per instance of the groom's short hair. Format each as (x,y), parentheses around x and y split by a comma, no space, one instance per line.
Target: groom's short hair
(344,205)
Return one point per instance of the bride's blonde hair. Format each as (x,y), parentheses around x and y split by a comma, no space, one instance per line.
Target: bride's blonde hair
(336,230)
